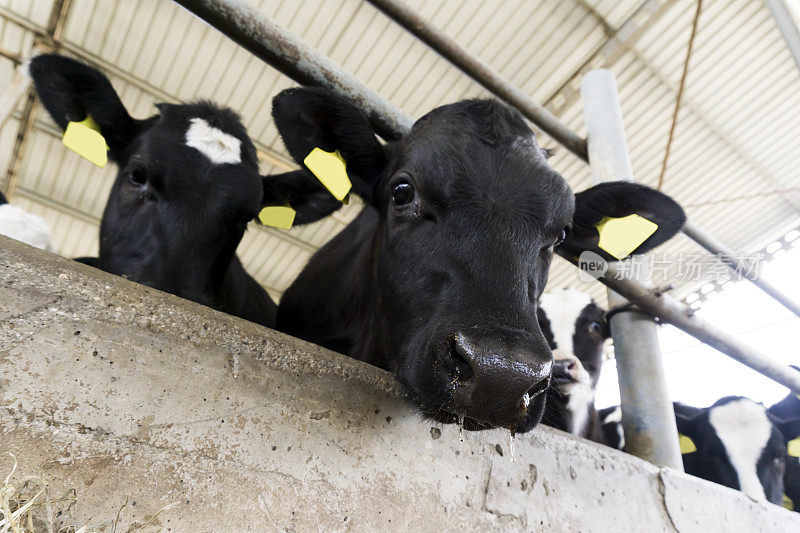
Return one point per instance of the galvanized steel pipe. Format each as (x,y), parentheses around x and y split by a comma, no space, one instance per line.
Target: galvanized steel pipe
(648,419)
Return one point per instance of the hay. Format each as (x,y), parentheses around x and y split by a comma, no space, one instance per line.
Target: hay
(27,506)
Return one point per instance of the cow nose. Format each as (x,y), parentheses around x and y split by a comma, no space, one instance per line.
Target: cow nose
(497,374)
(566,367)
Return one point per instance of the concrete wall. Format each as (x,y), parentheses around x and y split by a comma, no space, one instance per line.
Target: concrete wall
(125,393)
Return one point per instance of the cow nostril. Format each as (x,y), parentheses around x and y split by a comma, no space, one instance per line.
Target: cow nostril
(535,391)
(571,365)
(461,369)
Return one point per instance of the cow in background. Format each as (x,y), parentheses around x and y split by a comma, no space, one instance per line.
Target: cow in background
(576,329)
(439,277)
(735,442)
(187,186)
(788,409)
(18,224)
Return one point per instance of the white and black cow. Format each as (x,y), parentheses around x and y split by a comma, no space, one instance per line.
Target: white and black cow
(576,329)
(788,412)
(187,186)
(735,442)
(18,224)
(439,277)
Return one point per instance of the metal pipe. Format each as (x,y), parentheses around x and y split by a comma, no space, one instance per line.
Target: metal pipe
(325,73)
(728,256)
(648,418)
(294,57)
(671,311)
(787,23)
(482,73)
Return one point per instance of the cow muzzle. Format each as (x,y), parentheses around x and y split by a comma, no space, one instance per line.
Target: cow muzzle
(497,375)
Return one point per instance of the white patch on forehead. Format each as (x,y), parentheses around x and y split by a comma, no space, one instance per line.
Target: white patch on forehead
(744,429)
(563,307)
(18,224)
(215,144)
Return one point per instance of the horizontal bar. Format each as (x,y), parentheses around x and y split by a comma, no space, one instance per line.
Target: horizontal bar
(298,60)
(294,57)
(482,73)
(728,256)
(670,310)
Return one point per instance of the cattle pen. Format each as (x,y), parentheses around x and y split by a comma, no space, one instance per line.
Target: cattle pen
(54,303)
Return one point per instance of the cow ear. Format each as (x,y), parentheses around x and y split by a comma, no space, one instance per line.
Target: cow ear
(617,200)
(687,418)
(309,118)
(302,192)
(71,90)
(788,423)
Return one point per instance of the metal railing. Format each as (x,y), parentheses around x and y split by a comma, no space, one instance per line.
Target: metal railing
(294,57)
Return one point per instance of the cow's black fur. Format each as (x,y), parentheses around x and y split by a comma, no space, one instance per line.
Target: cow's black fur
(438,278)
(174,218)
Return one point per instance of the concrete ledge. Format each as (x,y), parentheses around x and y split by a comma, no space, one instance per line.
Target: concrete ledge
(127,393)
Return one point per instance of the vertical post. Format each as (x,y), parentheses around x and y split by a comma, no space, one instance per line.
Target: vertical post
(787,22)
(648,419)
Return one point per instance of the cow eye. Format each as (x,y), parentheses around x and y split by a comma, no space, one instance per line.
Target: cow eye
(402,193)
(596,327)
(561,237)
(138,176)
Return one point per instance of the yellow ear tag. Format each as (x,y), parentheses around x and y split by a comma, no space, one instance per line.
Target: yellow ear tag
(788,503)
(687,444)
(329,168)
(277,216)
(85,139)
(793,448)
(621,236)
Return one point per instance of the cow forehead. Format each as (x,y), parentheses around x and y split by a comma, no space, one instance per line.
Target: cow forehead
(744,429)
(563,307)
(219,147)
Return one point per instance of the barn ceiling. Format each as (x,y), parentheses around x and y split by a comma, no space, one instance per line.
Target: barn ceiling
(733,163)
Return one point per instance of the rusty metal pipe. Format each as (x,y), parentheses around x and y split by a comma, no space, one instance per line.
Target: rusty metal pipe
(297,59)
(482,73)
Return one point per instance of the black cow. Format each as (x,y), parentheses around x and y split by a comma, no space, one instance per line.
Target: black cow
(576,328)
(788,409)
(439,277)
(187,186)
(735,442)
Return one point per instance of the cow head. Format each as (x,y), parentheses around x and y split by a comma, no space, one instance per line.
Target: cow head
(738,443)
(187,184)
(576,329)
(468,215)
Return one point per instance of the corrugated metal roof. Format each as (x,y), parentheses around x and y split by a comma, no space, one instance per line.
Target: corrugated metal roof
(735,138)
